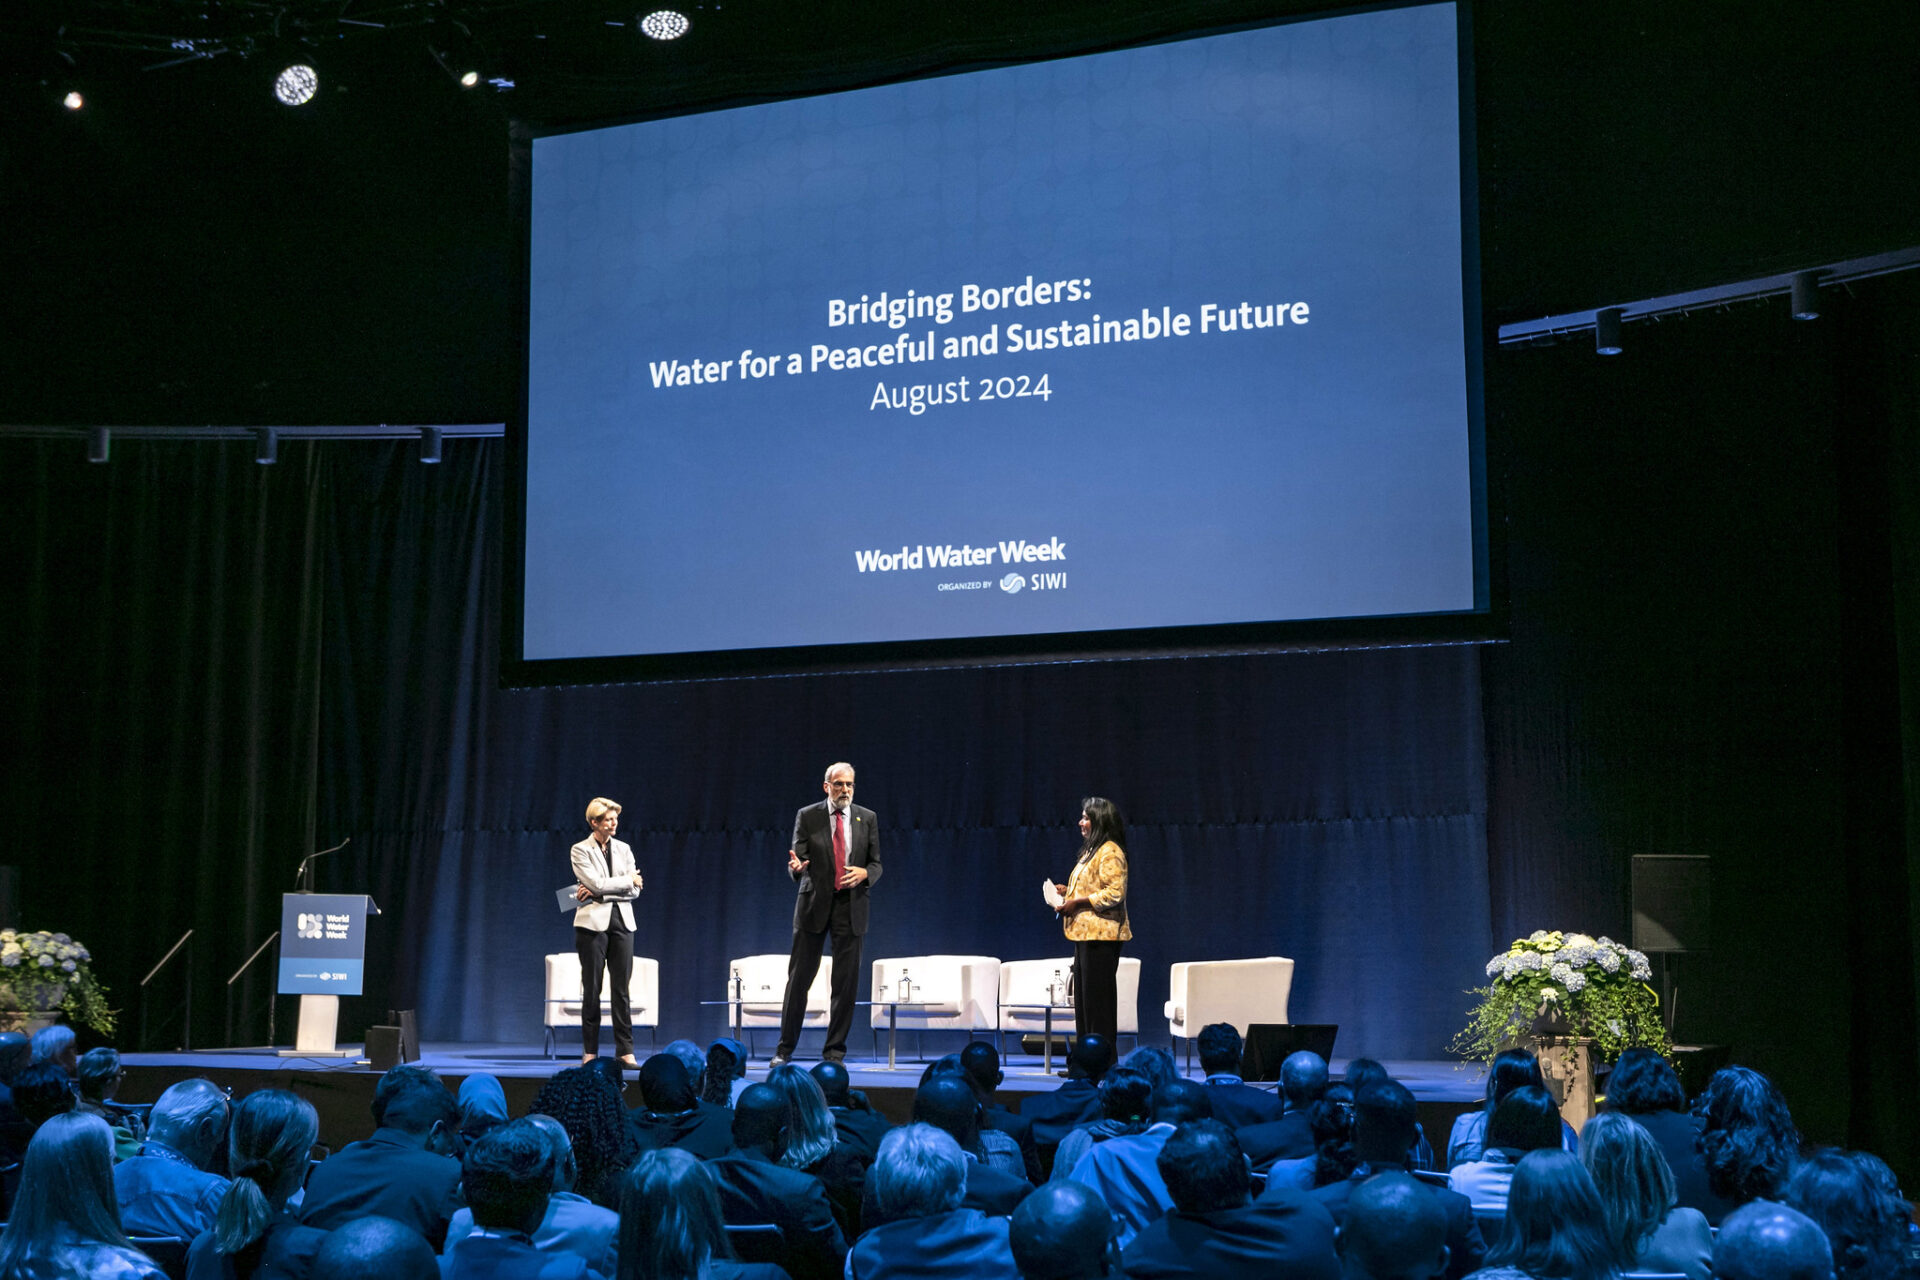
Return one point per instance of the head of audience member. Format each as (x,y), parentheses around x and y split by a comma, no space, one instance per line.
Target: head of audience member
(42,1091)
(1126,1097)
(726,1062)
(1854,1198)
(1632,1177)
(566,1172)
(1220,1049)
(16,1051)
(1330,1120)
(1386,1123)
(665,1087)
(588,1107)
(99,1075)
(66,1193)
(760,1121)
(613,1069)
(1063,1231)
(947,1102)
(1525,1120)
(375,1248)
(1556,1226)
(413,1101)
(810,1129)
(1090,1058)
(508,1176)
(692,1059)
(1763,1240)
(55,1044)
(1204,1168)
(981,1063)
(1512,1069)
(190,1119)
(1747,1138)
(1395,1229)
(670,1221)
(1156,1064)
(1643,1082)
(834,1081)
(1303,1078)
(483,1105)
(1180,1101)
(1362,1072)
(268,1142)
(945,1065)
(920,1171)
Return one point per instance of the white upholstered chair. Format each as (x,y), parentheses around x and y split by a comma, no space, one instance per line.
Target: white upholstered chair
(954,993)
(562,1007)
(1241,992)
(1026,982)
(763,985)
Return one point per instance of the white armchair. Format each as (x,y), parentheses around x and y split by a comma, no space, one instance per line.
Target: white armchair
(1025,982)
(763,985)
(954,993)
(1238,991)
(562,1006)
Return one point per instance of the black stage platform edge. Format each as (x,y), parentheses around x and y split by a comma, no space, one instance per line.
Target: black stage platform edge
(341,1089)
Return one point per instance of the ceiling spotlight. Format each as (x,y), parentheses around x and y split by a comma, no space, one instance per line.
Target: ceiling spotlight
(73,101)
(468,79)
(266,446)
(1606,331)
(665,24)
(429,444)
(1805,293)
(99,444)
(296,84)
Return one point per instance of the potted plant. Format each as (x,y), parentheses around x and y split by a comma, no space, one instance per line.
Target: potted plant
(43,975)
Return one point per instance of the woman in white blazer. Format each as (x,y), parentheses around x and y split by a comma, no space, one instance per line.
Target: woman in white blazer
(603,927)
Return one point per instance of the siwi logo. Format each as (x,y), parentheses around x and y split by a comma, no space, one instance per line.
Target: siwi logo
(1012,584)
(309,926)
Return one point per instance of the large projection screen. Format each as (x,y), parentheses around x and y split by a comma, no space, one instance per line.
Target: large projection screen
(1154,345)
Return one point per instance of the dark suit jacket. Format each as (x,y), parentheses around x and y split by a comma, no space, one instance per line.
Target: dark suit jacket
(992,1192)
(1286,1235)
(389,1175)
(1238,1105)
(753,1189)
(861,1130)
(1288,1138)
(706,1131)
(813,840)
(1055,1115)
(1677,1134)
(1466,1250)
(493,1258)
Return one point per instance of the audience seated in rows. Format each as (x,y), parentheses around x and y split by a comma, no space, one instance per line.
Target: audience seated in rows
(56,1044)
(1650,1229)
(483,1106)
(1511,1069)
(855,1121)
(1556,1228)
(1365,1071)
(813,1145)
(915,1190)
(947,1103)
(406,1171)
(42,1091)
(169,1188)
(981,1063)
(1393,1230)
(1235,1103)
(671,1114)
(97,1079)
(1330,1124)
(1644,1087)
(375,1248)
(990,1146)
(671,1226)
(1125,1172)
(755,1189)
(1063,1231)
(65,1222)
(507,1177)
(586,1102)
(1525,1120)
(1747,1138)
(254,1234)
(1767,1241)
(1075,1102)
(1855,1200)
(1385,1137)
(572,1223)
(1288,1136)
(1126,1106)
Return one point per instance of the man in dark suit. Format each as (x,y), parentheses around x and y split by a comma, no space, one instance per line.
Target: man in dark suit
(835,859)
(1236,1103)
(755,1190)
(1394,1231)
(1303,1079)
(507,1175)
(1055,1115)
(947,1102)
(858,1125)
(404,1171)
(980,1062)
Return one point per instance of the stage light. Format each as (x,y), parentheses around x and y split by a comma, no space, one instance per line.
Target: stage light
(1806,295)
(266,446)
(665,24)
(296,84)
(1606,331)
(73,101)
(468,79)
(99,444)
(429,444)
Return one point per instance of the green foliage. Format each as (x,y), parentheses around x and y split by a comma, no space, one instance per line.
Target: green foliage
(1555,984)
(46,971)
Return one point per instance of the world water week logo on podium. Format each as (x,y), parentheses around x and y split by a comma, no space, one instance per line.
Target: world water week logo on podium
(323,943)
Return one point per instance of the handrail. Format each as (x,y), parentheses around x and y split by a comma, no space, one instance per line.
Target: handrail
(272,1004)
(186,1003)
(250,959)
(163,959)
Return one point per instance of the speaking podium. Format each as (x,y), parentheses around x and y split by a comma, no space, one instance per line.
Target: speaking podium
(323,956)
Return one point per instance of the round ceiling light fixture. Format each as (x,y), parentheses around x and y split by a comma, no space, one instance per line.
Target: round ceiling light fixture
(665,24)
(296,84)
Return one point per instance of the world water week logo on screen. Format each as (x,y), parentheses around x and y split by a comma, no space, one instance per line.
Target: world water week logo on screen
(911,559)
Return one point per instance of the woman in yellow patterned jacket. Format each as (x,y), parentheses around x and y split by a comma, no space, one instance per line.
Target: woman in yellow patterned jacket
(1094,915)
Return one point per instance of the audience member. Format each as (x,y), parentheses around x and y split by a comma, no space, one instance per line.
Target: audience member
(169,1188)
(813,1145)
(375,1248)
(483,1105)
(981,1062)
(671,1227)
(1126,1106)
(1651,1231)
(42,1091)
(989,1146)
(726,1075)
(1767,1241)
(1124,1171)
(507,1176)
(692,1059)
(1556,1227)
(1512,1069)
(947,1103)
(1288,1136)
(1394,1230)
(1330,1122)
(1526,1120)
(916,1189)
(55,1044)
(588,1106)
(98,1078)
(1854,1198)
(1215,1231)
(858,1125)
(16,1051)
(572,1223)
(1063,1232)
(756,1189)
(254,1234)
(1075,1102)
(1747,1138)
(1235,1103)
(1365,1071)
(1155,1063)
(406,1171)
(1644,1087)
(670,1114)
(64,1221)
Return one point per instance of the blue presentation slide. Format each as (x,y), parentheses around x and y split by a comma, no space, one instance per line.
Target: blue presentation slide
(1170,336)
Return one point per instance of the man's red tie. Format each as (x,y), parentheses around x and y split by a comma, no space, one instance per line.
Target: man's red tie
(839,847)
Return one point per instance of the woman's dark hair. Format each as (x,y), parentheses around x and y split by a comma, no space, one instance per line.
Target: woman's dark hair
(66,1195)
(268,1143)
(1362,1072)
(1747,1138)
(1331,1120)
(1512,1069)
(670,1223)
(1556,1227)
(1633,1178)
(587,1105)
(1857,1202)
(1642,1082)
(716,1083)
(1104,823)
(1126,1095)
(1525,1120)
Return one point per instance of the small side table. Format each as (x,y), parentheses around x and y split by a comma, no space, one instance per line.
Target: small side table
(1046,1043)
(893,1008)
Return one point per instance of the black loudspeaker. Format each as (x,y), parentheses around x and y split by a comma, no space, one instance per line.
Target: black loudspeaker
(383,1047)
(1672,903)
(409,1033)
(1269,1043)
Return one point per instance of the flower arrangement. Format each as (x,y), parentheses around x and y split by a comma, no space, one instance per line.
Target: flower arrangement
(42,972)
(1591,988)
